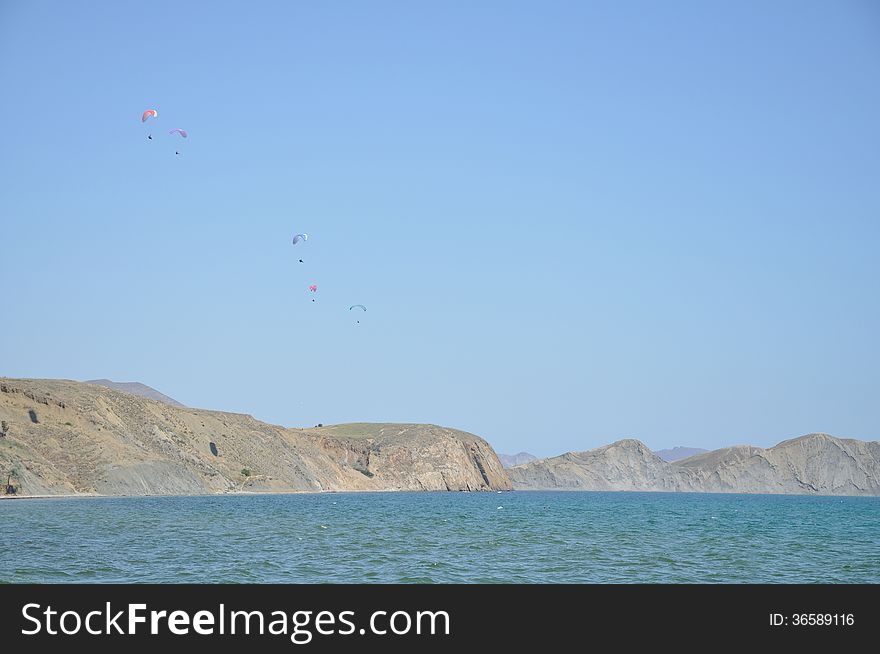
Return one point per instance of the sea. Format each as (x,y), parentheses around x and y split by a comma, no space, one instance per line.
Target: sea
(511,537)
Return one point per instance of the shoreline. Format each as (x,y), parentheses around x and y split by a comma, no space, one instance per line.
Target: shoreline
(75,496)
(71,496)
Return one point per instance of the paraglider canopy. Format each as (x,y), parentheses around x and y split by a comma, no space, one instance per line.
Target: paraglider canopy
(178,131)
(357,306)
(313,287)
(149,113)
(300,237)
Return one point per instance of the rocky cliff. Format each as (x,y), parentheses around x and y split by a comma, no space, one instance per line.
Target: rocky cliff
(60,437)
(814,464)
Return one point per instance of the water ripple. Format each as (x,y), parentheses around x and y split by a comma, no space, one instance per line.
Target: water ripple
(443,537)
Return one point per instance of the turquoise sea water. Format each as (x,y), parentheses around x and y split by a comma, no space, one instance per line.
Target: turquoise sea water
(533,537)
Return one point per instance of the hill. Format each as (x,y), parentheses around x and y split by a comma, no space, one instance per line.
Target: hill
(813,464)
(66,437)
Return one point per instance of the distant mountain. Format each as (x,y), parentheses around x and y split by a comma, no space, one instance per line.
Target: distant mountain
(678,453)
(136,388)
(510,460)
(815,464)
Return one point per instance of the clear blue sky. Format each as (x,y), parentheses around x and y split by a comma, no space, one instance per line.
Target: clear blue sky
(571,222)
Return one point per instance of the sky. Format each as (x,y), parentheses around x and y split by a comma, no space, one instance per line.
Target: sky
(570,222)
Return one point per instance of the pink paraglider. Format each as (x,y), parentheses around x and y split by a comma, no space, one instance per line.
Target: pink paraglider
(313,287)
(149,113)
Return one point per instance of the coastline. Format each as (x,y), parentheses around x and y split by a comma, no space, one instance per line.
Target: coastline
(359,491)
(70,496)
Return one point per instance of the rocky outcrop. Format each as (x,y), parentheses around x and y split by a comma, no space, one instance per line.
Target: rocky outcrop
(812,464)
(413,457)
(816,464)
(95,440)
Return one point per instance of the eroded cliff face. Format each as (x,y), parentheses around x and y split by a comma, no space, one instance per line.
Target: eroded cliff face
(62,437)
(816,464)
(812,464)
(414,457)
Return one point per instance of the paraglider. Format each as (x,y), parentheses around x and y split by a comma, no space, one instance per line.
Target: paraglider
(314,289)
(182,133)
(357,306)
(149,113)
(300,237)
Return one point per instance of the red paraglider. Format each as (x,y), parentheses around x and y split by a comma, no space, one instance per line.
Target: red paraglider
(149,113)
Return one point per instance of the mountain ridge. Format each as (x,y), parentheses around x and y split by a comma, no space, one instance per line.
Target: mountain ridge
(67,437)
(815,463)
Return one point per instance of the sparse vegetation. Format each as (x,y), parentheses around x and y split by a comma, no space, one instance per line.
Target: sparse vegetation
(245,472)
